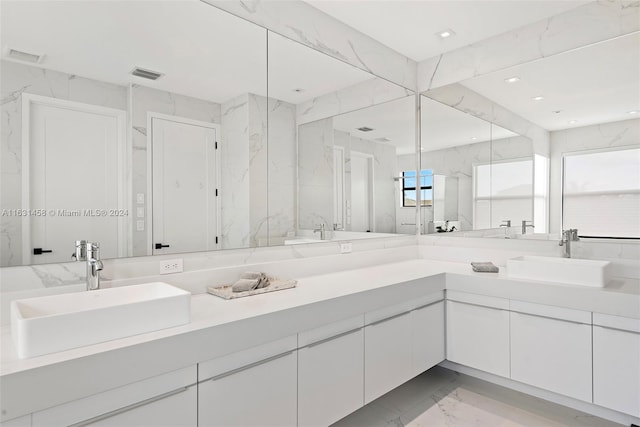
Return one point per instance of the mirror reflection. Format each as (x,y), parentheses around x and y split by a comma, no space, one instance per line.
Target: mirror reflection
(123,143)
(348,129)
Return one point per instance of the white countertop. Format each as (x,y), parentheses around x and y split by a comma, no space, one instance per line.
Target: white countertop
(221,326)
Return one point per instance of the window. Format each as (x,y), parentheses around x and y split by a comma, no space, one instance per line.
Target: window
(409,190)
(602,186)
(502,191)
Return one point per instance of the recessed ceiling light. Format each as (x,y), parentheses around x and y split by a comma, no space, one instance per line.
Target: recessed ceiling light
(473,138)
(445,33)
(512,79)
(633,112)
(572,122)
(538,98)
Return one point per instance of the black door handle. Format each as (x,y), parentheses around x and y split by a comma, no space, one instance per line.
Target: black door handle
(160,246)
(40,251)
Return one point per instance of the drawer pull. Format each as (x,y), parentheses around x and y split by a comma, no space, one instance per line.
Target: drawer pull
(249,366)
(335,337)
(129,408)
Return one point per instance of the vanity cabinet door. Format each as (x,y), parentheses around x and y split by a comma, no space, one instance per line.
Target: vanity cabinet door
(18,422)
(260,394)
(427,342)
(616,368)
(478,337)
(551,353)
(387,355)
(166,400)
(330,379)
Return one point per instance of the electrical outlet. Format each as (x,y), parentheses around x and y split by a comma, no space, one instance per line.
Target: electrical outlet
(346,248)
(171,266)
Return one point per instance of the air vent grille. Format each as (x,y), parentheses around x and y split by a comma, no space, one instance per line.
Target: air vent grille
(21,55)
(146,74)
(365,129)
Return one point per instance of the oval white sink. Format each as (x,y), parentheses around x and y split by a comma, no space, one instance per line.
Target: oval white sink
(55,323)
(572,271)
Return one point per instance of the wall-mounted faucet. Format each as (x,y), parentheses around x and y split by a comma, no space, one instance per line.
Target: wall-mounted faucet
(568,236)
(506,223)
(90,252)
(526,224)
(322,231)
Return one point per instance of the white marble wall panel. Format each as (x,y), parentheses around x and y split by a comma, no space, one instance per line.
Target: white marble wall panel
(146,100)
(470,102)
(16,79)
(303,23)
(591,23)
(235,180)
(366,94)
(606,135)
(258,177)
(282,170)
(315,174)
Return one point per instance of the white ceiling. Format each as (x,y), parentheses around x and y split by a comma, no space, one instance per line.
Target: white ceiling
(202,51)
(445,127)
(596,84)
(409,26)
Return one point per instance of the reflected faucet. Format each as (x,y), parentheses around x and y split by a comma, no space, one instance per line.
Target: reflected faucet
(90,252)
(506,223)
(322,231)
(526,224)
(568,236)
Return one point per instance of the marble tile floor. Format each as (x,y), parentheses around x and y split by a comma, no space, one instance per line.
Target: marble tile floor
(441,397)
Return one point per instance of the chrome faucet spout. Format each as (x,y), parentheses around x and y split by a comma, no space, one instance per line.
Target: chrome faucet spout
(90,252)
(322,231)
(526,224)
(568,236)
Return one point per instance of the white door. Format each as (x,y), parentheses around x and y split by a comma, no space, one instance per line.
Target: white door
(361,192)
(71,159)
(185,207)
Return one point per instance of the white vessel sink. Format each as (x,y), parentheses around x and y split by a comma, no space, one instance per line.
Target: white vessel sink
(583,272)
(60,322)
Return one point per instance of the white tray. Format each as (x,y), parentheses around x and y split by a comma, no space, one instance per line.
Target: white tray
(225,291)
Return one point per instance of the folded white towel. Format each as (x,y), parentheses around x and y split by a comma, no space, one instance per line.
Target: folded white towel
(263,280)
(243,285)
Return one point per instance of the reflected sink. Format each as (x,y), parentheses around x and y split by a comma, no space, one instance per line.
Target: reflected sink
(572,271)
(54,323)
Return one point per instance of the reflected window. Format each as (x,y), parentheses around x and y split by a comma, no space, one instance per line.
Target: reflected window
(601,186)
(409,188)
(502,191)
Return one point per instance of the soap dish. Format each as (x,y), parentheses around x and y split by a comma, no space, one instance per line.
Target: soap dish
(225,291)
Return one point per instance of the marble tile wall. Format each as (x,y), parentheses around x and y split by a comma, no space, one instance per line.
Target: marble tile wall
(366,94)
(16,79)
(605,135)
(315,174)
(305,24)
(593,22)
(146,100)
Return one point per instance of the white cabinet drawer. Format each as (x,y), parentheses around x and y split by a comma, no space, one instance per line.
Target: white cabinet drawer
(428,336)
(478,337)
(551,354)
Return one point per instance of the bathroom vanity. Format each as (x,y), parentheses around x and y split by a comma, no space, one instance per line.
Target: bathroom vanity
(348,337)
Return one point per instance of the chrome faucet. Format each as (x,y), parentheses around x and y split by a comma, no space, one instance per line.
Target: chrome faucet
(525,225)
(322,231)
(506,223)
(90,252)
(568,236)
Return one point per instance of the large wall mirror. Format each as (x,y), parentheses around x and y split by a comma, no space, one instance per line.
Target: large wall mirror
(587,178)
(132,124)
(181,134)
(336,134)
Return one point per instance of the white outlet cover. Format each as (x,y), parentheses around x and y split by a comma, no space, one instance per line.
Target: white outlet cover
(140,198)
(140,225)
(171,266)
(346,248)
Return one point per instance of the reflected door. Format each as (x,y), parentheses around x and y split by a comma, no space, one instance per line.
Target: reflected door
(361,192)
(185,204)
(75,191)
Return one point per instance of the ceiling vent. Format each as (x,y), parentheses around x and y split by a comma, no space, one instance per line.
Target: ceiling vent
(146,74)
(21,55)
(365,129)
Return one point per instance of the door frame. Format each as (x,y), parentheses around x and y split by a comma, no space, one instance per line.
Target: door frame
(123,154)
(370,159)
(187,121)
